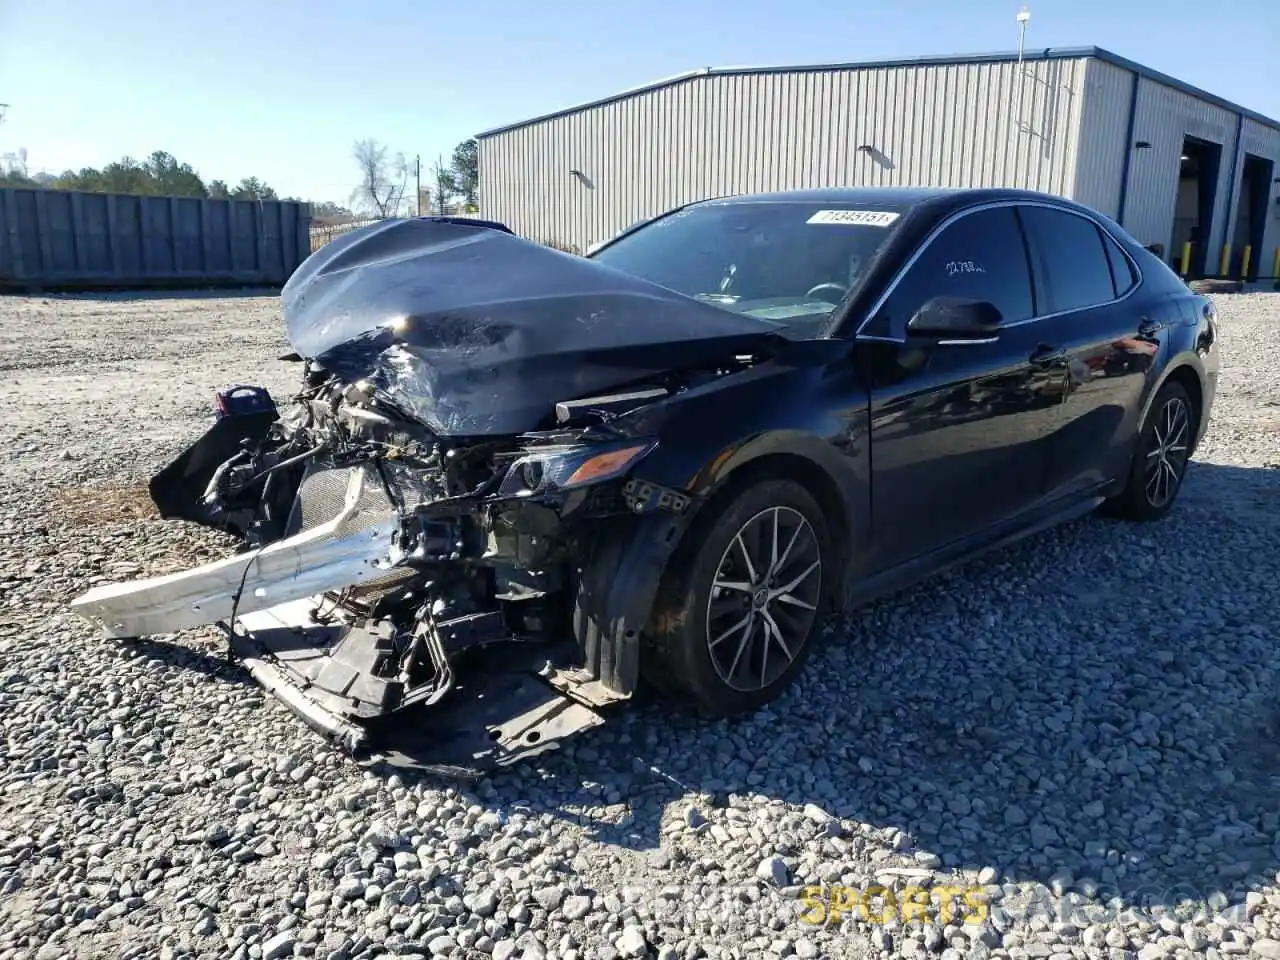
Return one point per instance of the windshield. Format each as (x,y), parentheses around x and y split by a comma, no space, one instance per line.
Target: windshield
(788,262)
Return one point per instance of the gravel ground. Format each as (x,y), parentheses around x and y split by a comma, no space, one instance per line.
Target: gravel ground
(1084,730)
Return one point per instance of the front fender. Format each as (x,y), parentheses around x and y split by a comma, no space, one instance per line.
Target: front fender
(804,416)
(837,473)
(622,569)
(839,468)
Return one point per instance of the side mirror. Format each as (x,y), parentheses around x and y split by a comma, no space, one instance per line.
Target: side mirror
(956,318)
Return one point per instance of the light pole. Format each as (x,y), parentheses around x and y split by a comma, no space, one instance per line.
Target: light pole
(1024,17)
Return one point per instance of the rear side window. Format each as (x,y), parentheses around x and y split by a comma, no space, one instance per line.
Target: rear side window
(980,256)
(1073,269)
(1122,274)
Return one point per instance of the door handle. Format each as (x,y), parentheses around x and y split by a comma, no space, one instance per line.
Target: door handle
(1046,357)
(1149,328)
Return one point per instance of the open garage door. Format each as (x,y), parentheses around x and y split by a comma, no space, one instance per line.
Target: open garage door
(1193,215)
(1251,219)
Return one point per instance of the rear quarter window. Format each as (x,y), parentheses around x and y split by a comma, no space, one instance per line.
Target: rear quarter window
(1123,277)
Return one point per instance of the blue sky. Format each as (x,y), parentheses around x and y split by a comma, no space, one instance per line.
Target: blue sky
(282,89)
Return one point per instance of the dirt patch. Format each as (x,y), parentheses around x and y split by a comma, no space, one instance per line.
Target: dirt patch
(104,503)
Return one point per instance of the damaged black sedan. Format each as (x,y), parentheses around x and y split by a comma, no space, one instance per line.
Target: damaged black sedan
(515,481)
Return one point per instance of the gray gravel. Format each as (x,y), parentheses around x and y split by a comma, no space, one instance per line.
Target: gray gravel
(1086,727)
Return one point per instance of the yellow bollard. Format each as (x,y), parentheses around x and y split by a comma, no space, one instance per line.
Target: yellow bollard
(1224,262)
(1246,255)
(1186,258)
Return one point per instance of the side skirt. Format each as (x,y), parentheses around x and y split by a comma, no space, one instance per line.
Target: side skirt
(865,590)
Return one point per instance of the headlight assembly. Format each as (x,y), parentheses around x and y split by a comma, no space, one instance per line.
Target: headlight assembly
(569,467)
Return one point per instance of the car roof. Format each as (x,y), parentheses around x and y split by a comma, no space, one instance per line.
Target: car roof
(877,196)
(891,198)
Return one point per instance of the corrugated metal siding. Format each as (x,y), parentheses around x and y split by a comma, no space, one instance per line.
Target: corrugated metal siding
(1163,117)
(941,125)
(1104,127)
(53,238)
(1263,141)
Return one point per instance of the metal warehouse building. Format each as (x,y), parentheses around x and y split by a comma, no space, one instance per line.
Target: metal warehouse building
(1178,167)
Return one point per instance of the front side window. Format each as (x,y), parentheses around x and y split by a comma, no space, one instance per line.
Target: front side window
(786,262)
(980,256)
(1071,262)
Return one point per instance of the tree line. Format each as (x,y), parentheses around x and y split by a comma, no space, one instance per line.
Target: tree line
(386,188)
(388,181)
(159,175)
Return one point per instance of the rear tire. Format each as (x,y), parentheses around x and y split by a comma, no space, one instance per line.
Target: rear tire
(1160,459)
(742,600)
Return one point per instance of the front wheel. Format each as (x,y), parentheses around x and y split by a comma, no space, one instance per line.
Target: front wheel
(743,599)
(1160,461)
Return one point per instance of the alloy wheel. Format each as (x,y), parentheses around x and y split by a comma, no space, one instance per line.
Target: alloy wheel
(764,599)
(1167,454)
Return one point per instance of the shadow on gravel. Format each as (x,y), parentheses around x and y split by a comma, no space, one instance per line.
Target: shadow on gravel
(1102,700)
(1121,727)
(185,658)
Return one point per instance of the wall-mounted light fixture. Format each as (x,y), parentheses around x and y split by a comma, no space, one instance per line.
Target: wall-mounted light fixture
(878,156)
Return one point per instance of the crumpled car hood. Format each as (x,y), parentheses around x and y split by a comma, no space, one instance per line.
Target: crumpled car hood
(474,331)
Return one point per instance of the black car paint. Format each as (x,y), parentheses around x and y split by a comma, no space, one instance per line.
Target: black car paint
(891,433)
(833,418)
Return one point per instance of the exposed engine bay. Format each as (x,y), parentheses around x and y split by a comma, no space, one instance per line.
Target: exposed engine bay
(378,559)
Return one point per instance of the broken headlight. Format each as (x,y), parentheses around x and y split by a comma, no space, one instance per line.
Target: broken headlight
(568,467)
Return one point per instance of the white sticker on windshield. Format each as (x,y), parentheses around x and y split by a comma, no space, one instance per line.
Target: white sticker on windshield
(865,218)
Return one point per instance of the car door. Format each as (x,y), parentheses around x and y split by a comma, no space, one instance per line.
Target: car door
(1105,334)
(958,430)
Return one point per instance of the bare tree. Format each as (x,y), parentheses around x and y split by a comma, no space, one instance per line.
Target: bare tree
(376,191)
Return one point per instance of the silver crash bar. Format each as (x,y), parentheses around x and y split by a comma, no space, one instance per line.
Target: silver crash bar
(333,555)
